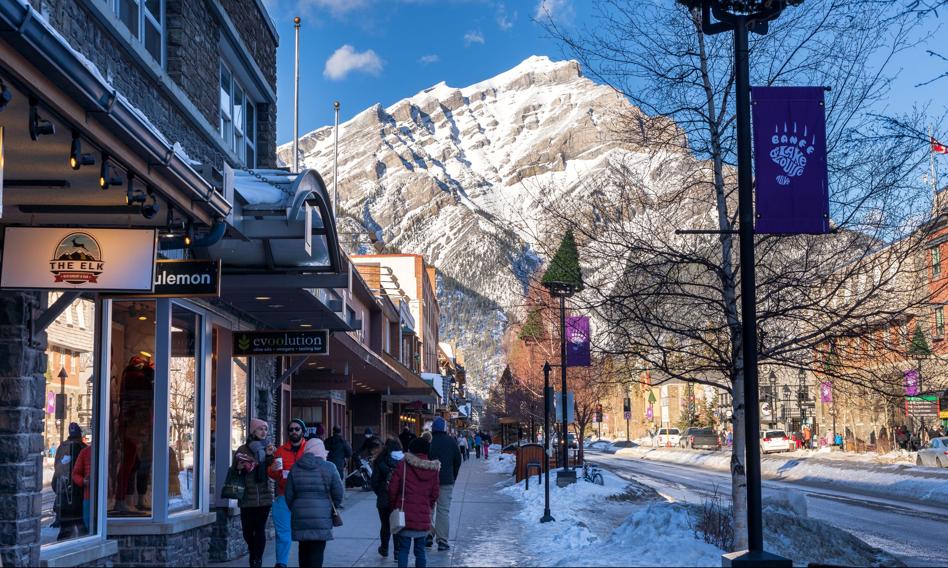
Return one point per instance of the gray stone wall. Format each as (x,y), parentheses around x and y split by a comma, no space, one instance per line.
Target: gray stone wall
(187,548)
(22,388)
(255,33)
(227,540)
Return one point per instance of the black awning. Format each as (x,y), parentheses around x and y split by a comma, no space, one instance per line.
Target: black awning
(283,308)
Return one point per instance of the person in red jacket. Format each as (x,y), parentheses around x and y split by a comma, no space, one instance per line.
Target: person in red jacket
(81,472)
(283,459)
(414,489)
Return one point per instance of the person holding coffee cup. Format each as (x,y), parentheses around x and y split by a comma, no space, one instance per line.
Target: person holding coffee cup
(284,458)
(252,460)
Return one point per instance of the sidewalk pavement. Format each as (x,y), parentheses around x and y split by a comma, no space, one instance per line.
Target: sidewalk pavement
(478,537)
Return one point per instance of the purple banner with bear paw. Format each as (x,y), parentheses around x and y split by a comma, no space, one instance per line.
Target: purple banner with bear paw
(577,341)
(792,184)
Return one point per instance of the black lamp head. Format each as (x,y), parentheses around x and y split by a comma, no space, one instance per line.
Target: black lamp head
(76,158)
(108,174)
(149,210)
(133,196)
(39,126)
(5,96)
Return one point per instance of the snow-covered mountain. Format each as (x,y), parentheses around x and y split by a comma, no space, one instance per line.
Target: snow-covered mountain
(463,176)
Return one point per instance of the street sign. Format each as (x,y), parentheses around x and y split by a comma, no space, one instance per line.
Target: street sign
(925,406)
(558,403)
(627,415)
(315,342)
(187,278)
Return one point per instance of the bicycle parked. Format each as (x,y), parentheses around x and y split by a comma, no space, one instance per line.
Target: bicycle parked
(593,474)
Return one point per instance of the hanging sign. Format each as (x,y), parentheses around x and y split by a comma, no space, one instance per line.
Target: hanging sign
(315,342)
(826,391)
(46,258)
(792,184)
(558,406)
(577,341)
(910,381)
(188,278)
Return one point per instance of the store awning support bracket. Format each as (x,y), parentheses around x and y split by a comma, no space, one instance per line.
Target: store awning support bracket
(293,369)
(52,312)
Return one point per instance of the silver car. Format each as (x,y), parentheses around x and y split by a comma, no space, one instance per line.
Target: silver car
(935,454)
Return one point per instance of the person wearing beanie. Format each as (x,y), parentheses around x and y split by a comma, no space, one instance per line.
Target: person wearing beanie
(284,458)
(313,492)
(251,461)
(68,504)
(339,451)
(445,449)
(414,489)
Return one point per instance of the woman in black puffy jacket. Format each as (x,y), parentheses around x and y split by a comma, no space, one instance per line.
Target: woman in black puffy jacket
(382,470)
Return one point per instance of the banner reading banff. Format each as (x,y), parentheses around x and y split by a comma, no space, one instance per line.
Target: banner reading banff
(792,185)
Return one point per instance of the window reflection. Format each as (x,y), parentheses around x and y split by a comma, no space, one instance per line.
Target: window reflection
(131,408)
(182,406)
(239,404)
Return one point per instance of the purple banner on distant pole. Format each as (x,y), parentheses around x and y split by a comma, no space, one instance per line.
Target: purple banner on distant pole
(826,391)
(910,380)
(577,341)
(792,184)
(649,413)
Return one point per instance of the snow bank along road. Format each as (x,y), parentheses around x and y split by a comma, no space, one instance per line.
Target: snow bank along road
(912,531)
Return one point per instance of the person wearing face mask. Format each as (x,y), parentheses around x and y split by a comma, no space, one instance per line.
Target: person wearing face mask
(284,458)
(252,460)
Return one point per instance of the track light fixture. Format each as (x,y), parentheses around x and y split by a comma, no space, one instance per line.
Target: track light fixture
(108,174)
(151,209)
(133,196)
(39,126)
(5,95)
(188,235)
(76,158)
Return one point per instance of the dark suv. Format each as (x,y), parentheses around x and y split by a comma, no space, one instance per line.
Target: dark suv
(700,439)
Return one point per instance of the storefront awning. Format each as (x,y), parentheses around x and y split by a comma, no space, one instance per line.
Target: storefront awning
(367,372)
(284,308)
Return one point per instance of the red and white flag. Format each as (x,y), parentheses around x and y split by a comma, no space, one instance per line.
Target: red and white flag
(938,147)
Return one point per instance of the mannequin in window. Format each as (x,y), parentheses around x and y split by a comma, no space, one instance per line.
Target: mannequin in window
(137,393)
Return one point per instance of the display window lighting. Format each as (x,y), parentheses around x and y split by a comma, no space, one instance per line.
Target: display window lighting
(76,158)
(39,126)
(108,173)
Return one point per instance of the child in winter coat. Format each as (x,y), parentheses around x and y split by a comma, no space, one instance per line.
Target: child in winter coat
(414,489)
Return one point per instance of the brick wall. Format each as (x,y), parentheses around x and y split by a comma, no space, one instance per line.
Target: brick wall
(22,390)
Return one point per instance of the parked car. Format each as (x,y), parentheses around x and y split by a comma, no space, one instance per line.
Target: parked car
(668,436)
(775,441)
(700,438)
(935,454)
(599,445)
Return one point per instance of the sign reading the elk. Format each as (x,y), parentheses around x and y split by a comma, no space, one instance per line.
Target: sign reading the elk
(577,341)
(314,342)
(792,183)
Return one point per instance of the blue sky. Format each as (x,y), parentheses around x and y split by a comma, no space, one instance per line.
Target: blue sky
(361,52)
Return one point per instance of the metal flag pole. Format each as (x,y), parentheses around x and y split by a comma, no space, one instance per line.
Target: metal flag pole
(296,100)
(931,159)
(335,160)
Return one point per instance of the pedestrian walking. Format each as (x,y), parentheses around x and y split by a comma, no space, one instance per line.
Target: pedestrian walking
(313,491)
(414,489)
(444,448)
(339,451)
(462,445)
(284,458)
(81,476)
(477,445)
(382,471)
(251,461)
(68,503)
(486,441)
(406,437)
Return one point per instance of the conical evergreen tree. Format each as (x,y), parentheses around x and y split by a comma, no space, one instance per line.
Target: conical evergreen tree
(532,329)
(564,268)
(919,348)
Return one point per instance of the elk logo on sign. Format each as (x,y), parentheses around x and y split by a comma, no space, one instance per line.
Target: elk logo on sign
(77,260)
(790,152)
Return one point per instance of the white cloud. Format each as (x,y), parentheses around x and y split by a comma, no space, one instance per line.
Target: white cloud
(554,10)
(472,37)
(503,21)
(429,59)
(346,59)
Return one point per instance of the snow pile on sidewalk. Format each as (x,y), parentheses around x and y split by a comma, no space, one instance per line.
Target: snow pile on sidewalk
(593,526)
(502,463)
(889,480)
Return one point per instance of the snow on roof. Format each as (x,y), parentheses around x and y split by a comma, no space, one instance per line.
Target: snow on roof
(256,189)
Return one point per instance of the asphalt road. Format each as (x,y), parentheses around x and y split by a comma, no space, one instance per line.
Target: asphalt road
(916,533)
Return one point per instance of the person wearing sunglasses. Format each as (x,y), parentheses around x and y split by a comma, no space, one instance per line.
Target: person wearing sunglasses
(283,460)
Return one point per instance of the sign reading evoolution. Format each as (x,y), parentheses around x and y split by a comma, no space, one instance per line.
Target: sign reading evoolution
(114,260)
(792,184)
(188,278)
(314,342)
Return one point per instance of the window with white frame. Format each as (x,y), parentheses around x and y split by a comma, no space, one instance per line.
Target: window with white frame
(145,21)
(238,118)
(940,321)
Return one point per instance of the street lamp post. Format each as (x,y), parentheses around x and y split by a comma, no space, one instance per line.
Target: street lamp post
(786,407)
(547,403)
(801,395)
(61,403)
(773,399)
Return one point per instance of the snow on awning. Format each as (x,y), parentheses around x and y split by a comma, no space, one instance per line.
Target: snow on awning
(436,381)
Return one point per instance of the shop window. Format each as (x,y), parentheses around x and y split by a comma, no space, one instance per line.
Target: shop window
(68,503)
(240,403)
(237,118)
(131,408)
(940,321)
(936,262)
(183,400)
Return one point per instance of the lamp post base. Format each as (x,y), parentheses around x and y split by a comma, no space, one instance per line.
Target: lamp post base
(565,477)
(757,559)
(547,517)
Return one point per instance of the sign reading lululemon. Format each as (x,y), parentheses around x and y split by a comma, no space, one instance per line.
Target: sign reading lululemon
(188,278)
(314,342)
(115,260)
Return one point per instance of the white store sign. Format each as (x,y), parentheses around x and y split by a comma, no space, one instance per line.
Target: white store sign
(46,258)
